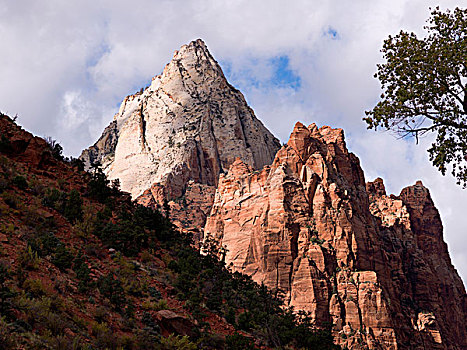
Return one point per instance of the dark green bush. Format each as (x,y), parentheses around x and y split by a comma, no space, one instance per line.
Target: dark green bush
(54,198)
(237,341)
(62,258)
(245,321)
(55,148)
(6,294)
(5,145)
(136,228)
(154,293)
(230,315)
(77,163)
(82,272)
(111,288)
(11,200)
(173,266)
(98,186)
(73,207)
(20,182)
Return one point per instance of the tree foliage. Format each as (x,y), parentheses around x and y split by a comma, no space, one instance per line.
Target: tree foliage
(424,83)
(55,148)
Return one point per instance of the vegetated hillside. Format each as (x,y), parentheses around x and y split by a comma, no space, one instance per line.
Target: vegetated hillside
(83,267)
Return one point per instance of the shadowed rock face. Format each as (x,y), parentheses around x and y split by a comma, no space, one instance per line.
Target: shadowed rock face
(375,266)
(189,124)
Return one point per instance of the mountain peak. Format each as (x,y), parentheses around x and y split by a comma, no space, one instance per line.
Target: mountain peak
(198,43)
(190,123)
(194,62)
(195,49)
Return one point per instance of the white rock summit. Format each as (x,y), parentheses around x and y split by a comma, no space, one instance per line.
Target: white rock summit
(189,124)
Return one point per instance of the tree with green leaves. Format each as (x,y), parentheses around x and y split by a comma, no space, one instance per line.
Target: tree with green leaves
(424,83)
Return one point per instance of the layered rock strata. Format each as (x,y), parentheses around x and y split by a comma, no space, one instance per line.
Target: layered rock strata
(188,124)
(375,266)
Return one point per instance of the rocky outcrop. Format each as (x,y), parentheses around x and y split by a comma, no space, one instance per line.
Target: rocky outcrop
(189,124)
(103,151)
(375,266)
(189,211)
(27,148)
(172,323)
(430,292)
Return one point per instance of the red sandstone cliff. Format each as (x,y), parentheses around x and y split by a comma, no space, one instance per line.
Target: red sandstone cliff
(375,266)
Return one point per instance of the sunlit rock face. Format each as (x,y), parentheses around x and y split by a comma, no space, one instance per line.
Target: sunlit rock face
(189,124)
(299,219)
(375,266)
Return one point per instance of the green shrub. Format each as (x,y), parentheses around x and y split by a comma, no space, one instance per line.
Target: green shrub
(44,244)
(73,207)
(55,148)
(55,323)
(230,315)
(54,198)
(178,342)
(237,341)
(151,326)
(101,314)
(156,306)
(6,294)
(105,338)
(82,272)
(99,328)
(316,240)
(34,287)
(98,186)
(11,200)
(146,256)
(20,182)
(62,258)
(6,330)
(173,265)
(5,144)
(29,259)
(154,293)
(245,321)
(112,289)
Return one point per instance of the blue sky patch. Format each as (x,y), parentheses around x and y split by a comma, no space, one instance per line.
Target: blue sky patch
(97,54)
(283,75)
(332,33)
(280,74)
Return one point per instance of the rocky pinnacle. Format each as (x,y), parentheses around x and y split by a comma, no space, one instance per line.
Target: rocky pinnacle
(189,124)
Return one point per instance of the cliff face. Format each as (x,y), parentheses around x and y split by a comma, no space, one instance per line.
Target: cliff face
(302,221)
(189,124)
(431,293)
(375,266)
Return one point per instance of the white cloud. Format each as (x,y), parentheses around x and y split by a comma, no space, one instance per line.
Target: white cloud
(74,111)
(65,67)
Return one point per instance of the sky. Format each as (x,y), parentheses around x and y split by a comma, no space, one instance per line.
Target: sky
(66,66)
